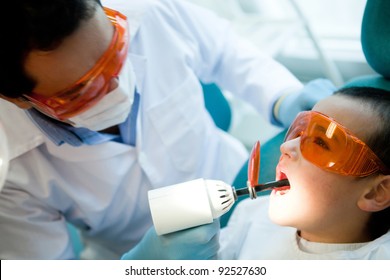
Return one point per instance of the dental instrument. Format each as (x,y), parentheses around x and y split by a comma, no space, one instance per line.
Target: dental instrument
(197,202)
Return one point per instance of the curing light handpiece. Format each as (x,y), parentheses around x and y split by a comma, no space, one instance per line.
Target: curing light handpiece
(195,203)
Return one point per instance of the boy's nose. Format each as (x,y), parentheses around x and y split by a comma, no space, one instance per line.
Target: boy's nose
(290,148)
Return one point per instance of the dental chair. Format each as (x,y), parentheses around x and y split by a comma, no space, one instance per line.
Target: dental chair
(375,39)
(217,106)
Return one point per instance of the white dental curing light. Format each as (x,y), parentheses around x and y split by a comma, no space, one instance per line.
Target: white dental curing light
(189,204)
(196,202)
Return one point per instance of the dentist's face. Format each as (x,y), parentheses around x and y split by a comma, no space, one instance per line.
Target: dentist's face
(57,69)
(320,203)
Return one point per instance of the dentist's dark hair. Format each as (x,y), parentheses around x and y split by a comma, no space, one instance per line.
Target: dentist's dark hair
(28,25)
(378,101)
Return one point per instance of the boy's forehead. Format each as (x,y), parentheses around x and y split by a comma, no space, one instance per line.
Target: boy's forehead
(353,114)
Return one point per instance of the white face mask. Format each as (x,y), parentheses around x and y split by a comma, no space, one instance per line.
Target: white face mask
(115,106)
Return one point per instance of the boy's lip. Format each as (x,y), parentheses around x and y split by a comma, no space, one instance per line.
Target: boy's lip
(280,175)
(280,172)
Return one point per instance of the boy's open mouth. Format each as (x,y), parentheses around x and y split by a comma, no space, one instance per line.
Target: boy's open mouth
(284,189)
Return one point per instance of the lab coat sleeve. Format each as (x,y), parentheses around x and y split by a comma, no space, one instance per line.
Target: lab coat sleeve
(232,62)
(28,228)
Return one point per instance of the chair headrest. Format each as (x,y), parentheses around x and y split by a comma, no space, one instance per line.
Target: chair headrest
(375,35)
(376,81)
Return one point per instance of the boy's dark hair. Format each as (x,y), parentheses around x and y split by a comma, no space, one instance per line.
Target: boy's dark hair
(28,25)
(379,101)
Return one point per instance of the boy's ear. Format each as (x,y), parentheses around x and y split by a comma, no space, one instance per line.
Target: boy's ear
(377,197)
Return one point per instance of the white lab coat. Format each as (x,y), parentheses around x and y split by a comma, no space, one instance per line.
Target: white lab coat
(251,235)
(102,189)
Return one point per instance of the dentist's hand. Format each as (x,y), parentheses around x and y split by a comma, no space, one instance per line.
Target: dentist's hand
(290,105)
(198,243)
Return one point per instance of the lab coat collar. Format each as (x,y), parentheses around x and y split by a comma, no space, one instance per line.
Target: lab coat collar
(133,10)
(22,135)
(139,66)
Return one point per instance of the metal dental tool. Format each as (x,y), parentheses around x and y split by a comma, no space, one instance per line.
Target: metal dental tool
(263,187)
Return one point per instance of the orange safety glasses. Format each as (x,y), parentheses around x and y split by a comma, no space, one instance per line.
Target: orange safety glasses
(93,86)
(330,146)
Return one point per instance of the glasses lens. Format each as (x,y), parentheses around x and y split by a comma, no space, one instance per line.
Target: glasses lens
(324,144)
(80,98)
(298,126)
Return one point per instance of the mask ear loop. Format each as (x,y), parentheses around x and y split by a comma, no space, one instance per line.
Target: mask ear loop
(253,170)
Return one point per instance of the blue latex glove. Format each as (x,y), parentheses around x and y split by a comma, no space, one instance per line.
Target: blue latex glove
(303,100)
(198,243)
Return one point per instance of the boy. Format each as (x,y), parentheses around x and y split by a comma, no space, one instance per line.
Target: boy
(337,206)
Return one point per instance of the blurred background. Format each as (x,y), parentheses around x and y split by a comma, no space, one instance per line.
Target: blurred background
(312,38)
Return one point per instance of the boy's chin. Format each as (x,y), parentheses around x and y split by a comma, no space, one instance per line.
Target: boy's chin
(279,217)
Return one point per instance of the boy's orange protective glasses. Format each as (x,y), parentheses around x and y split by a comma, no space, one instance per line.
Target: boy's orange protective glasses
(330,146)
(93,86)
